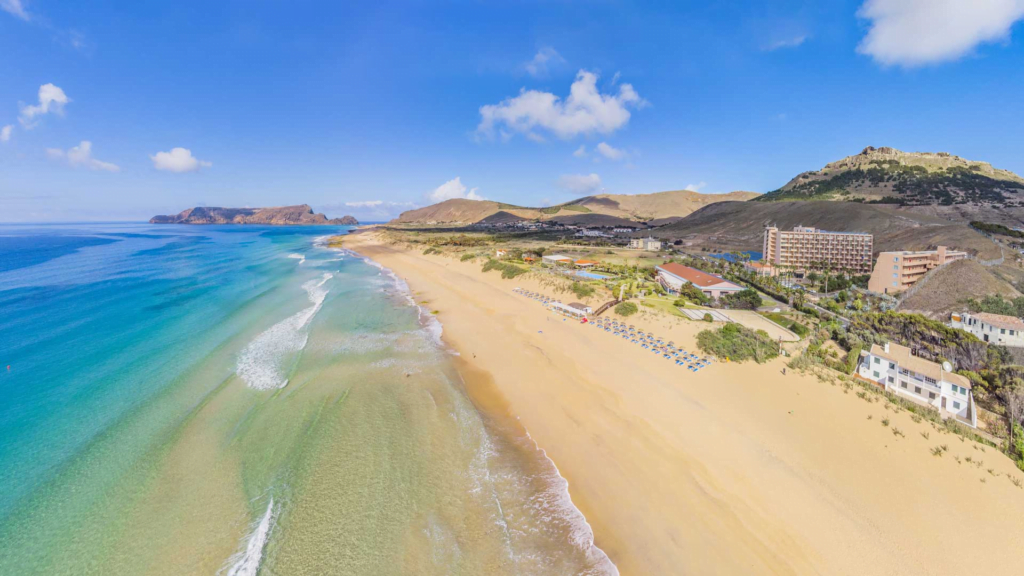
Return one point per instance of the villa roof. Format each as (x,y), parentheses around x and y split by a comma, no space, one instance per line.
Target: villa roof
(903,356)
(579,305)
(692,275)
(587,262)
(1000,321)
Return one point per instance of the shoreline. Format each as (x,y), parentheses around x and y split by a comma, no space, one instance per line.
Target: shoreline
(734,469)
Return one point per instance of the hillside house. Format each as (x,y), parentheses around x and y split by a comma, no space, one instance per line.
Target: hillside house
(899,371)
(994,328)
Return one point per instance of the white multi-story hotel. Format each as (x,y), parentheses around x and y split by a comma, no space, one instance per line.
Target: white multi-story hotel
(994,328)
(806,248)
(897,369)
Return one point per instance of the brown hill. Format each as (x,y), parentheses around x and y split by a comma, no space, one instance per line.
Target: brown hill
(739,226)
(281,215)
(946,289)
(632,207)
(909,179)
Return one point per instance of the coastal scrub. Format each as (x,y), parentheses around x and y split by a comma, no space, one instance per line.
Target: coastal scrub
(738,344)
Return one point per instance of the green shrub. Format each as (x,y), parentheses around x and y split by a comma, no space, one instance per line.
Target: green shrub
(693,294)
(510,271)
(799,329)
(746,299)
(852,359)
(708,317)
(626,309)
(738,343)
(582,290)
(431,250)
(467,256)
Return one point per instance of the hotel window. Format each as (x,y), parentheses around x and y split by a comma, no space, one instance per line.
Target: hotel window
(892,366)
(956,405)
(929,380)
(877,361)
(917,389)
(1002,330)
(877,375)
(931,395)
(903,384)
(891,380)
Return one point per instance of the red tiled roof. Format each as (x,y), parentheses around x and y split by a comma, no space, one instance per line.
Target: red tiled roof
(694,276)
(586,262)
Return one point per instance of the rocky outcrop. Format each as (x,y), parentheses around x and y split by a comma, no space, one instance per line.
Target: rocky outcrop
(279,216)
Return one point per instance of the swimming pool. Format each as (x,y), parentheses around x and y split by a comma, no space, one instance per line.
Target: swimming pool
(592,275)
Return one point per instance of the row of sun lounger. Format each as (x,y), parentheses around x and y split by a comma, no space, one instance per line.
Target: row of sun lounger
(646,340)
(655,344)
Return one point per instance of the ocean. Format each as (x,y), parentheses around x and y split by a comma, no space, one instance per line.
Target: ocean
(246,400)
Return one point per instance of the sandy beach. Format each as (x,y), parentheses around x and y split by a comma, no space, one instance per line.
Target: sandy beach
(737,469)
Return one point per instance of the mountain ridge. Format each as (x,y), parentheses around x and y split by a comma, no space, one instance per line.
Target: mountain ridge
(273,216)
(626,207)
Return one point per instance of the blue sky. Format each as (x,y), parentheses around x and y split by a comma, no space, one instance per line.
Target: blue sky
(369,110)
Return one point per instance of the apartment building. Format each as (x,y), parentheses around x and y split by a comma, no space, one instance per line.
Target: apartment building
(901,372)
(994,328)
(896,271)
(806,248)
(648,243)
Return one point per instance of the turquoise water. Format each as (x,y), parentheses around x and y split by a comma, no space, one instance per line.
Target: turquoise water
(246,400)
(592,275)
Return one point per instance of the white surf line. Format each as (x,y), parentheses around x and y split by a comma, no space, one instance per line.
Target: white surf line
(259,362)
(301,258)
(247,562)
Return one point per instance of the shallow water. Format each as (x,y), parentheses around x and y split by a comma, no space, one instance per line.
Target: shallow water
(244,400)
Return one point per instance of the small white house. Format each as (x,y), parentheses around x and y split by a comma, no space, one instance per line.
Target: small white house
(994,328)
(500,253)
(901,372)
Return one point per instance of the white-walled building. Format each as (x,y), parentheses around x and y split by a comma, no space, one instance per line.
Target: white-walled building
(648,243)
(672,276)
(555,259)
(925,382)
(994,328)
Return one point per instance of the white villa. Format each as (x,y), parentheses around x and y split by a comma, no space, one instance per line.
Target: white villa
(901,372)
(994,328)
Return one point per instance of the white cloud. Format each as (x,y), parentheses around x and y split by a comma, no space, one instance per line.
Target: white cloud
(581,184)
(584,111)
(51,99)
(365,204)
(5,133)
(178,160)
(580,152)
(534,137)
(453,189)
(14,7)
(918,32)
(791,42)
(611,153)
(696,187)
(544,58)
(81,156)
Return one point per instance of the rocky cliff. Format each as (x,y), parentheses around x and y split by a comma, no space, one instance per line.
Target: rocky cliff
(278,216)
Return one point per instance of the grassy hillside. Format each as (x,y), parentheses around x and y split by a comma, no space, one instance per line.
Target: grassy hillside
(946,289)
(739,226)
(887,175)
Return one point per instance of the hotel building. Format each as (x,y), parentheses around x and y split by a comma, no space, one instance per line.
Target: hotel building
(809,248)
(897,271)
(649,244)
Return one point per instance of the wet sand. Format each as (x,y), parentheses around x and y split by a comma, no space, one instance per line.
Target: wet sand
(736,469)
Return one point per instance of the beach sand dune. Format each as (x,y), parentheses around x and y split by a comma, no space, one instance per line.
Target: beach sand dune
(737,469)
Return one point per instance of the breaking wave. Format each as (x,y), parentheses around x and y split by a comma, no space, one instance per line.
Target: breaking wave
(247,561)
(261,362)
(298,257)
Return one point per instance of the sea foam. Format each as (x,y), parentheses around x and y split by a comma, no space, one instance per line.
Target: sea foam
(247,561)
(260,363)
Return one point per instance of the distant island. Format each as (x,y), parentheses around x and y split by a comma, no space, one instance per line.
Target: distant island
(277,216)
